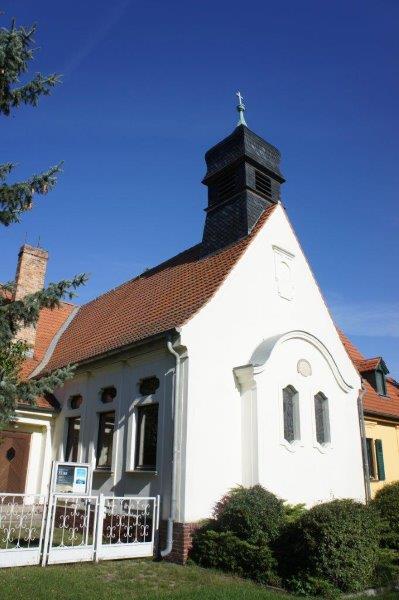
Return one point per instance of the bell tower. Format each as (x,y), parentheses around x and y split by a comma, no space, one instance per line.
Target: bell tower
(243,178)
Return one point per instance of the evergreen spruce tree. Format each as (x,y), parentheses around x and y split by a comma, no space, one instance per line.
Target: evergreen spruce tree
(16,53)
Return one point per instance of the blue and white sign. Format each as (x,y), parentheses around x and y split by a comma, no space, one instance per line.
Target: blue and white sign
(71,478)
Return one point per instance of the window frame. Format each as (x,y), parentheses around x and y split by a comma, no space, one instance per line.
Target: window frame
(130,459)
(100,416)
(380,379)
(67,447)
(296,443)
(296,420)
(370,447)
(327,444)
(138,408)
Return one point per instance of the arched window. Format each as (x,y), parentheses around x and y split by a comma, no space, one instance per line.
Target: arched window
(291,414)
(322,419)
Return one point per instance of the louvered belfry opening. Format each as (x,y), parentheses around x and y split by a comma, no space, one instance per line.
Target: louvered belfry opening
(243,179)
(226,186)
(263,184)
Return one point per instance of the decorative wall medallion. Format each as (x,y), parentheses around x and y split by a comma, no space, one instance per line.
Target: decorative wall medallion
(304,368)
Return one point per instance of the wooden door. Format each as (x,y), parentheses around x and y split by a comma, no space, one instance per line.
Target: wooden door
(14,455)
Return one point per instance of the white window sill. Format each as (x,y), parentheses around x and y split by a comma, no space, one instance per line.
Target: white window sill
(137,471)
(323,448)
(291,446)
(107,471)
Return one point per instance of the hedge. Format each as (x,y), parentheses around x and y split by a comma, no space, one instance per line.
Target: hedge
(223,550)
(252,514)
(386,502)
(336,543)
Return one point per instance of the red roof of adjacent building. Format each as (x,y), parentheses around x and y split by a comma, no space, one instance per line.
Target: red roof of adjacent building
(49,323)
(155,302)
(388,405)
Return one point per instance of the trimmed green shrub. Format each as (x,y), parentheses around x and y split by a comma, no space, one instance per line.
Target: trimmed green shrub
(386,570)
(252,514)
(313,586)
(336,542)
(292,512)
(386,502)
(223,550)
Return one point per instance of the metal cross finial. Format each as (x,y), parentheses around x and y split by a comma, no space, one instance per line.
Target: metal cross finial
(241,109)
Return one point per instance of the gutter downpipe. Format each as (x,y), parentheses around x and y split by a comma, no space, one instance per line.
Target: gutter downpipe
(366,473)
(176,452)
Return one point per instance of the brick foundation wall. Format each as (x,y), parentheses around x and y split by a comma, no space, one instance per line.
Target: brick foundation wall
(182,540)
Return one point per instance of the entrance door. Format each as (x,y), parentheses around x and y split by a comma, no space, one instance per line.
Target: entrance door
(14,454)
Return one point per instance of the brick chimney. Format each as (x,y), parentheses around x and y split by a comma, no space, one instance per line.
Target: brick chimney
(29,278)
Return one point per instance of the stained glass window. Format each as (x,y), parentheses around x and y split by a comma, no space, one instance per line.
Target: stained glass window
(291,414)
(322,419)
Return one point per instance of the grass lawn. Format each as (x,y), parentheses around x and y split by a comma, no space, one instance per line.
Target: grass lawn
(133,579)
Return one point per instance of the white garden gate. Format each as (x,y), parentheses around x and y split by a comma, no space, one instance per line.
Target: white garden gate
(70,535)
(69,528)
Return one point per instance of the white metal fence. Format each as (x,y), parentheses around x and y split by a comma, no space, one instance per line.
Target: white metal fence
(22,518)
(67,528)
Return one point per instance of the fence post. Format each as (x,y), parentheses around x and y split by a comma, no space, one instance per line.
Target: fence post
(100,523)
(49,510)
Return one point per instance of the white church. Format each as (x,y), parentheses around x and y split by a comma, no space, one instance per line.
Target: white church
(220,367)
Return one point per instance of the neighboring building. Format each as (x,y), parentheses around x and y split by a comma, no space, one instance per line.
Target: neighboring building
(26,448)
(381,416)
(219,367)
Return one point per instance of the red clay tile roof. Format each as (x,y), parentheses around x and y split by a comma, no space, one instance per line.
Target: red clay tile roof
(369,364)
(48,324)
(388,405)
(157,301)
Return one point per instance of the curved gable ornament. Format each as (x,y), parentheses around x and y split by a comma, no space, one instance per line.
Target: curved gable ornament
(265,349)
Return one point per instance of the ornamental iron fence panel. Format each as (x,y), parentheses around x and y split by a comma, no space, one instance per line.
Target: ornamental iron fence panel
(66,528)
(126,527)
(22,518)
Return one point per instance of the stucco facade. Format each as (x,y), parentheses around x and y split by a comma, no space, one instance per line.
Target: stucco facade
(378,428)
(257,311)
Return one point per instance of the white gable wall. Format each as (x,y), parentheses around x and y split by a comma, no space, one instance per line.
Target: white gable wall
(252,306)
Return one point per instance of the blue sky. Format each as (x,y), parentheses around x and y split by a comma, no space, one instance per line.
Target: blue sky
(149,86)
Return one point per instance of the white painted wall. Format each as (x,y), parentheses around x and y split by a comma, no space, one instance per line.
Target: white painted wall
(40,427)
(125,375)
(252,305)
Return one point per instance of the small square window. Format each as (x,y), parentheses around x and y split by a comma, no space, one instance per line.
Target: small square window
(108,394)
(149,386)
(75,401)
(146,437)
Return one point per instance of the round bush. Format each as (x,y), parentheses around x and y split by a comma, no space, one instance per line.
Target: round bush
(252,514)
(386,502)
(223,550)
(336,542)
